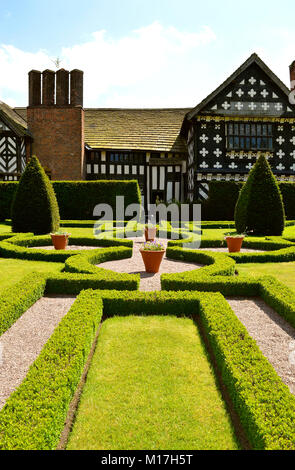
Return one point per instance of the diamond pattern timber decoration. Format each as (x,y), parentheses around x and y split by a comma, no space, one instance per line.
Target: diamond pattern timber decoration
(251,95)
(254,99)
(12,157)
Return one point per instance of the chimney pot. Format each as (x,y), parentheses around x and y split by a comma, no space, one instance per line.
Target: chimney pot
(62,87)
(48,87)
(34,88)
(76,87)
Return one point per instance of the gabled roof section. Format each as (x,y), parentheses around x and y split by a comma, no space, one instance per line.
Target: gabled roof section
(254,59)
(13,120)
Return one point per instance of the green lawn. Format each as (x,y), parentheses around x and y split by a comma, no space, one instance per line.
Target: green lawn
(13,270)
(284,272)
(289,231)
(5,228)
(150,386)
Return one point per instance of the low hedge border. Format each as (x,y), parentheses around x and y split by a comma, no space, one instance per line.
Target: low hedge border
(276,249)
(90,223)
(16,300)
(279,256)
(19,247)
(85,263)
(74,283)
(34,415)
(217,264)
(5,236)
(264,403)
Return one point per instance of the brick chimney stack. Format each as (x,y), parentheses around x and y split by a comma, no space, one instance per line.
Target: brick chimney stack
(292,75)
(56,120)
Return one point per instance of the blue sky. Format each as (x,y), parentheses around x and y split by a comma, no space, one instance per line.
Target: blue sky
(135,53)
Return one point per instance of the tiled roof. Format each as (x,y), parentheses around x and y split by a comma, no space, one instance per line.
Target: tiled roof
(13,119)
(22,112)
(140,129)
(155,130)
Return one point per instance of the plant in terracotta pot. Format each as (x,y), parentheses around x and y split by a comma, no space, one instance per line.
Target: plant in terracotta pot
(60,239)
(152,254)
(150,232)
(234,242)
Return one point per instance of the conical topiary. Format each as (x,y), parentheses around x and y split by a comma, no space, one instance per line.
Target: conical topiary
(34,207)
(260,208)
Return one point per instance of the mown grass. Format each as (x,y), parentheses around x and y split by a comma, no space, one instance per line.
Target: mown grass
(284,272)
(150,386)
(5,228)
(13,270)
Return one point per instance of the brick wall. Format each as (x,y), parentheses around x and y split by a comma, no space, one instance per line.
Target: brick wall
(58,133)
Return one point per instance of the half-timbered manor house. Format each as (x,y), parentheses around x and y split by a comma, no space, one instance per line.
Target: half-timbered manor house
(173,153)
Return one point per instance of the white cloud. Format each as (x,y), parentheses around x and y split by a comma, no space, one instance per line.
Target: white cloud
(152,66)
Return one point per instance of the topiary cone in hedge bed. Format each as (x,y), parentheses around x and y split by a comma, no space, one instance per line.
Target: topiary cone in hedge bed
(260,208)
(34,207)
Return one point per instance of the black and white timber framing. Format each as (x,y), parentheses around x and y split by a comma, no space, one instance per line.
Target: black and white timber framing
(12,152)
(249,113)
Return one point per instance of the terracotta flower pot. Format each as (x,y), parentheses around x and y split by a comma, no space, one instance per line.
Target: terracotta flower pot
(234,244)
(150,234)
(152,260)
(60,242)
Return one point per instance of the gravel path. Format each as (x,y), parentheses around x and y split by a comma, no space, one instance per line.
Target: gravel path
(274,336)
(134,265)
(23,342)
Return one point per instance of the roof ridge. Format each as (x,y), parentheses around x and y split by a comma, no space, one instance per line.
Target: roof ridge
(138,109)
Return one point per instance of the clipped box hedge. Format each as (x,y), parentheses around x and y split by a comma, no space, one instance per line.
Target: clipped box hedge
(218,264)
(7,190)
(23,247)
(34,415)
(74,283)
(223,196)
(77,199)
(16,300)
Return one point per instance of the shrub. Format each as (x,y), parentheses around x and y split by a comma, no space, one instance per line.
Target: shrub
(34,207)
(288,194)
(77,199)
(260,206)
(220,204)
(7,191)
